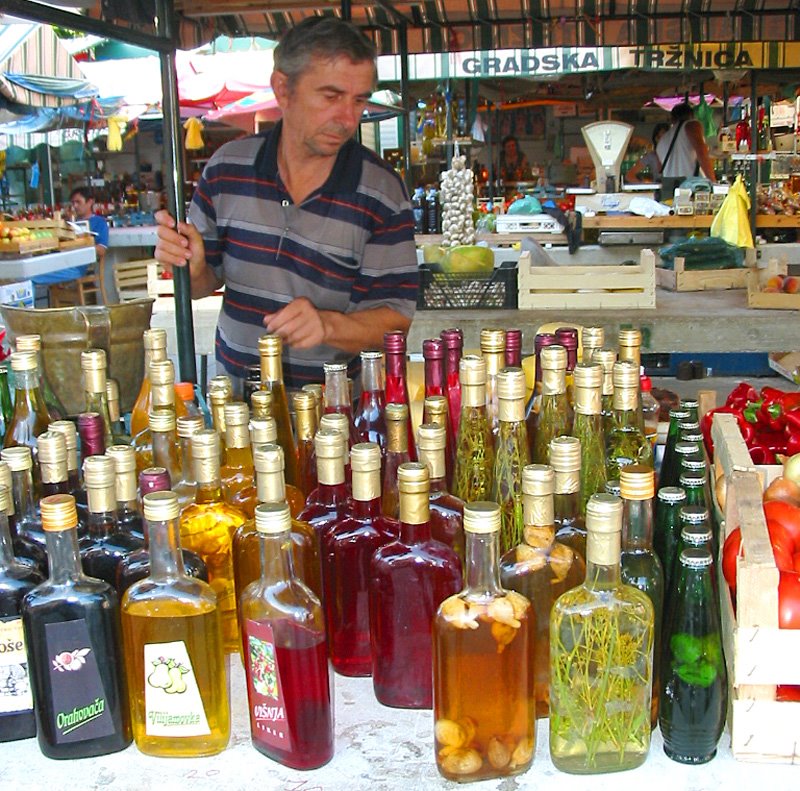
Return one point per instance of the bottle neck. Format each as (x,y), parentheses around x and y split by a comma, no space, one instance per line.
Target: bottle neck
(240,458)
(209,491)
(396,390)
(22,489)
(97,402)
(187,472)
(483,575)
(637,524)
(372,375)
(434,376)
(166,560)
(276,558)
(63,557)
(337,391)
(603,560)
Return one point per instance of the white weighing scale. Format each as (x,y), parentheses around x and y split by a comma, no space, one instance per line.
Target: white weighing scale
(607,142)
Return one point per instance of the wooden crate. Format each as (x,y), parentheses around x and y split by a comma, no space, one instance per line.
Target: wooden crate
(682,279)
(86,240)
(759,656)
(613,287)
(17,248)
(757,298)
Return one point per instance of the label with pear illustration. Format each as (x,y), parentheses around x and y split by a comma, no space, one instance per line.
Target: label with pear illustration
(173,705)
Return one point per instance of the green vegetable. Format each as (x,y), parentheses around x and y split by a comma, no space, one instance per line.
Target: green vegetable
(472,259)
(686,648)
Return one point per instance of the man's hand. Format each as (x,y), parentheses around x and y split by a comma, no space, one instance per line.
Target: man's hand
(299,324)
(179,247)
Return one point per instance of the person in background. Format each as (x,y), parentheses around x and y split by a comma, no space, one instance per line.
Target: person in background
(514,164)
(310,232)
(648,161)
(683,151)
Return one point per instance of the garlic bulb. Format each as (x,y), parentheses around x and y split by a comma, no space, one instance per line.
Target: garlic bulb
(456,198)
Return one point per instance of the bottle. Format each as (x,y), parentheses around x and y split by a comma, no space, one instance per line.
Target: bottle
(433,352)
(346,549)
(337,396)
(339,423)
(394,344)
(331,496)
(93,366)
(6,405)
(30,416)
(291,711)
(316,390)
(613,487)
(540,341)
(434,410)
(606,358)
(511,455)
(565,459)
(186,486)
(136,565)
(650,411)
(483,676)
(70,433)
(640,565)
(668,529)
(207,528)
(184,394)
(27,551)
(155,350)
(251,383)
(162,402)
(396,454)
(692,406)
(541,569)
(601,633)
(670,466)
(117,423)
(433,211)
(261,403)
(474,467)
(454,343)
(493,349)
(446,510)
(270,349)
(33,343)
(174,660)
(513,350)
(72,621)
(409,579)
(369,420)
(418,210)
(305,415)
(165,448)
(568,338)
(26,517)
(237,472)
(105,544)
(269,466)
(128,513)
(694,690)
(587,427)
(220,392)
(92,435)
(630,347)
(16,581)
(592,338)
(626,442)
(554,418)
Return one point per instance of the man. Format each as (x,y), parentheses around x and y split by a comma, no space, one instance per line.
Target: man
(682,150)
(310,232)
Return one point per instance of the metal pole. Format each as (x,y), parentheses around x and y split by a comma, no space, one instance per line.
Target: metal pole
(405,94)
(753,151)
(347,12)
(492,172)
(173,183)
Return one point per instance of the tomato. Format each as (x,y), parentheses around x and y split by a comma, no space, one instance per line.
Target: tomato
(779,536)
(788,692)
(783,559)
(796,561)
(788,515)
(730,551)
(789,600)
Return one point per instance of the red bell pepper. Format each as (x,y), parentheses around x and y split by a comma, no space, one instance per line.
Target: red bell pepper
(747,429)
(743,394)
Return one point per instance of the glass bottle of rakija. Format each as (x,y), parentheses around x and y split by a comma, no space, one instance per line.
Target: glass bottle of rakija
(30,416)
(554,418)
(433,350)
(70,433)
(540,341)
(397,418)
(409,579)
(237,472)
(186,486)
(16,580)
(434,410)
(588,428)
(155,349)
(325,506)
(606,358)
(513,349)
(454,342)
(220,392)
(626,442)
(174,657)
(71,623)
(394,344)
(27,551)
(541,568)
(33,343)
(94,368)
(305,415)
(670,466)
(592,338)
(337,396)
(117,423)
(483,666)
(565,459)
(368,420)
(568,338)
(601,652)
(53,472)
(27,521)
(129,514)
(289,684)
(337,422)
(493,347)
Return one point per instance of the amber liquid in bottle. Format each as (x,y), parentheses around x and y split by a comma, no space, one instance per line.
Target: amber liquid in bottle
(155,350)
(30,416)
(237,472)
(305,412)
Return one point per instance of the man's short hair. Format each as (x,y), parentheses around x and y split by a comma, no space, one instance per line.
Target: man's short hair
(84,192)
(320,37)
(682,112)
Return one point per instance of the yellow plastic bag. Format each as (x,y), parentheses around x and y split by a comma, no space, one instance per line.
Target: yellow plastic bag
(194,138)
(732,223)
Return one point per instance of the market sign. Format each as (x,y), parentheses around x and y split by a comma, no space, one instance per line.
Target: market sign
(557,61)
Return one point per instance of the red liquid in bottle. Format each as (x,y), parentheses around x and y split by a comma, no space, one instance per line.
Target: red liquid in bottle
(454,341)
(396,387)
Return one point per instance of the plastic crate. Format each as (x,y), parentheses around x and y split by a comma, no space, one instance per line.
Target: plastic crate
(469,291)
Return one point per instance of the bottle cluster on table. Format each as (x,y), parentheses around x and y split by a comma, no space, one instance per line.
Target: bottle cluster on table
(473,564)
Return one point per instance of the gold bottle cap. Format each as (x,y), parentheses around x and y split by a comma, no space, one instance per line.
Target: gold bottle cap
(268,457)
(304,401)
(626,375)
(161,420)
(413,477)
(593,337)
(237,413)
(604,513)
(112,396)
(393,412)
(472,370)
(52,448)
(432,437)
(365,457)
(263,429)
(220,384)
(270,345)
(188,425)
(565,454)
(511,384)
(637,482)
(205,444)
(161,506)
(123,456)
(162,372)
(493,341)
(24,361)
(588,375)
(93,360)
(154,338)
(6,500)
(315,389)
(413,483)
(538,480)
(329,444)
(261,401)
(482,517)
(58,513)
(553,357)
(29,343)
(630,337)
(18,458)
(434,406)
(338,422)
(606,358)
(273,518)
(99,472)
(5,480)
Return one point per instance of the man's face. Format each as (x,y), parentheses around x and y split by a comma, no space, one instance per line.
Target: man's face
(324,107)
(510,149)
(82,207)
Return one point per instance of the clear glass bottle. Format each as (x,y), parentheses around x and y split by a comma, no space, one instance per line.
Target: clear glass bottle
(369,420)
(396,454)
(207,528)
(409,579)
(117,423)
(220,392)
(174,659)
(33,343)
(285,654)
(591,338)
(541,568)
(667,534)
(606,358)
(346,549)
(483,677)
(6,405)
(155,350)
(337,396)
(29,552)
(270,350)
(394,345)
(162,402)
(16,581)
(511,455)
(626,442)
(474,467)
(565,459)
(493,351)
(70,432)
(72,620)
(540,341)
(513,350)
(165,448)
(568,338)
(53,474)
(435,410)
(237,472)
(305,416)
(670,465)
(129,514)
(587,426)
(694,690)
(330,499)
(94,368)
(650,411)
(30,416)
(27,520)
(601,654)
(640,565)
(554,418)
(454,344)
(630,351)
(446,510)
(186,485)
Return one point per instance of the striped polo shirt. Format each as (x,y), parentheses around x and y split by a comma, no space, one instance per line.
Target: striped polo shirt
(349,246)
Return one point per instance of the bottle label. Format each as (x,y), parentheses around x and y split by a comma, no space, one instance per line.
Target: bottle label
(15,687)
(268,721)
(173,705)
(78,703)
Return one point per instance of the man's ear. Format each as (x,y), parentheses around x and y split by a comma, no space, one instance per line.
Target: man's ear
(280,86)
